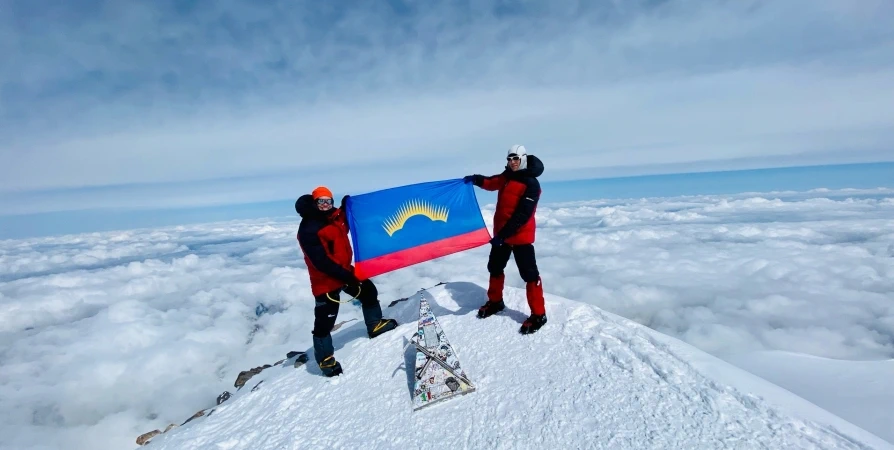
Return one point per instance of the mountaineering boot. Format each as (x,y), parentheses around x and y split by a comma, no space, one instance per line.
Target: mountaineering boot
(384,326)
(372,313)
(330,367)
(323,353)
(532,324)
(372,317)
(490,308)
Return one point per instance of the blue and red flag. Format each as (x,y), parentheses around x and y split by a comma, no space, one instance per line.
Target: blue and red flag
(402,226)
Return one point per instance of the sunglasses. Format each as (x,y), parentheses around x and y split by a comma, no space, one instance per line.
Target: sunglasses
(513,158)
(324,201)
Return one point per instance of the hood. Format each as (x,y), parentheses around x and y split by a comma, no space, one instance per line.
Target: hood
(534,169)
(306,207)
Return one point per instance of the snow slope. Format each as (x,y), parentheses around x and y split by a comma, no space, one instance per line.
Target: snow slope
(859,391)
(588,379)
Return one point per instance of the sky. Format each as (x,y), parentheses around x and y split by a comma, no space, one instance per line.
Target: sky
(119,215)
(105,336)
(195,104)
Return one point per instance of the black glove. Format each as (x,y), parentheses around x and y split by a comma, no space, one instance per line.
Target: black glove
(474,179)
(497,241)
(344,200)
(352,280)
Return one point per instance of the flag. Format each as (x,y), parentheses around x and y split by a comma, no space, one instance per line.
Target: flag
(402,226)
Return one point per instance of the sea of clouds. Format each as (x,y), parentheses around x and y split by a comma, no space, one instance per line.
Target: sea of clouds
(106,336)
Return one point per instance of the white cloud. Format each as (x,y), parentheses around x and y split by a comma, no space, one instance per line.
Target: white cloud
(806,275)
(105,333)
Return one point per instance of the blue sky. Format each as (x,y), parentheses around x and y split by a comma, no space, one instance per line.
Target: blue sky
(864,176)
(192,104)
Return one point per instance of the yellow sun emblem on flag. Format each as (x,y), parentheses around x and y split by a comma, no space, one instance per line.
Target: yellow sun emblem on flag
(414,208)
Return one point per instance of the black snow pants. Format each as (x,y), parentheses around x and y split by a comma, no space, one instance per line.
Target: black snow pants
(525,260)
(326,312)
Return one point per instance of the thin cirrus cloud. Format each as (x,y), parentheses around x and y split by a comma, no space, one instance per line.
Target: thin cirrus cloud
(109,94)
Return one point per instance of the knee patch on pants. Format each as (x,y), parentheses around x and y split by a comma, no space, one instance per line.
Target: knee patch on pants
(529,275)
(319,333)
(495,270)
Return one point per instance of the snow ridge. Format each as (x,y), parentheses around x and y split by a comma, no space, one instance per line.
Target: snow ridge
(588,379)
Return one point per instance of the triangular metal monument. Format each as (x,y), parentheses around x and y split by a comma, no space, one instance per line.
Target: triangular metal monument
(438,374)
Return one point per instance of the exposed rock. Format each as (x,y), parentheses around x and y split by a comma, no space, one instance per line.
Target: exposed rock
(338,325)
(223,397)
(246,375)
(194,416)
(144,438)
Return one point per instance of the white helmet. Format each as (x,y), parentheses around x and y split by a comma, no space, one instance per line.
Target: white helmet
(519,150)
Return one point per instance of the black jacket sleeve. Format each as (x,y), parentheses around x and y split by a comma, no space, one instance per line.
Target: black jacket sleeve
(523,210)
(313,248)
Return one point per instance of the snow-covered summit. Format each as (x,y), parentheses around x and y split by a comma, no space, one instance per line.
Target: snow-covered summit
(588,379)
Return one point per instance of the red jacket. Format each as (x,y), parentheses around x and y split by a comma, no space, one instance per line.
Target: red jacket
(517,200)
(323,238)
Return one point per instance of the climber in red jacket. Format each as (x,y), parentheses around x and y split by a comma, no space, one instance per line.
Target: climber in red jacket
(514,229)
(323,238)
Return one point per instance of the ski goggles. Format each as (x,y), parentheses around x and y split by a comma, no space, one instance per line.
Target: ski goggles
(324,201)
(511,158)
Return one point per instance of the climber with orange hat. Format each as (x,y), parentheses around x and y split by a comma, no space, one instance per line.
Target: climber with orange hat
(323,238)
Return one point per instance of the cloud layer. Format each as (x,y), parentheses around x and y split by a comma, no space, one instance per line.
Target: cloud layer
(95,94)
(105,336)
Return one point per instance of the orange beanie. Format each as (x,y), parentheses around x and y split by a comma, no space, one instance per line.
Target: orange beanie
(321,191)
